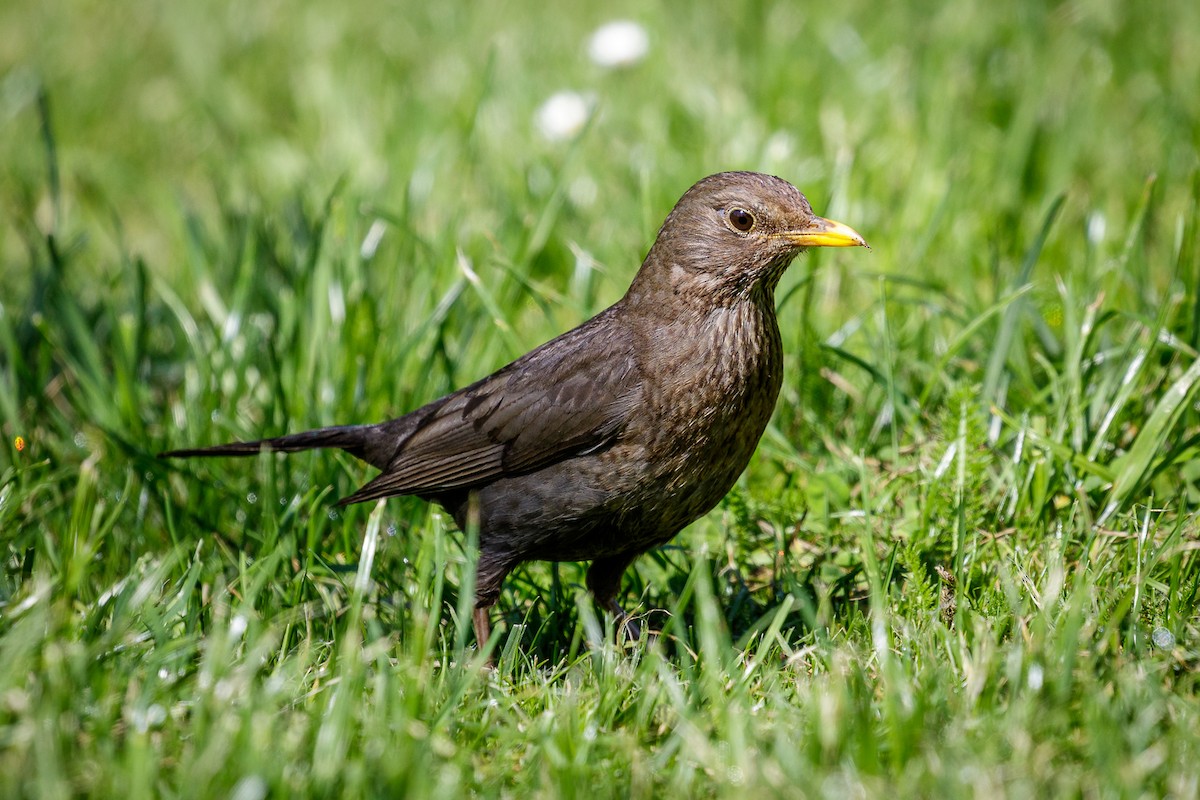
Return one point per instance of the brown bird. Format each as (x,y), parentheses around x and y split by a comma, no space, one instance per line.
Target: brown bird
(608,440)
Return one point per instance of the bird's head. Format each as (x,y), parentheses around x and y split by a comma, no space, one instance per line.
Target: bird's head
(731,236)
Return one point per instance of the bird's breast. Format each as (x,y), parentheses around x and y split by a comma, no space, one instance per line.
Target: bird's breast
(715,389)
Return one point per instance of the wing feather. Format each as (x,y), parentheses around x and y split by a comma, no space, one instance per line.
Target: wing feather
(560,400)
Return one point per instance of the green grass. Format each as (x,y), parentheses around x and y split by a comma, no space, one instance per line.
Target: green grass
(965,561)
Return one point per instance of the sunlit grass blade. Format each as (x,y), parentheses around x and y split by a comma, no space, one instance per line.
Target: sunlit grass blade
(1012,314)
(1152,442)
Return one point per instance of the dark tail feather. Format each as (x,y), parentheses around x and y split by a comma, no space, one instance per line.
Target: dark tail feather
(351,438)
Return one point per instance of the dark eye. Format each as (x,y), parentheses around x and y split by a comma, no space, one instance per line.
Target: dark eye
(741,219)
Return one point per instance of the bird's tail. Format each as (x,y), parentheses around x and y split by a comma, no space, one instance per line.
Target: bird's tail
(351,438)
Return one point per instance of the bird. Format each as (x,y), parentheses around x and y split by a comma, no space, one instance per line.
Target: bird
(609,439)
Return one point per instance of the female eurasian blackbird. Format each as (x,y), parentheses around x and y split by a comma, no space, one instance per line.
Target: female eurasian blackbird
(608,440)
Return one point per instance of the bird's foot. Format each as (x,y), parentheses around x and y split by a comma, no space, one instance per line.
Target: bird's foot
(624,621)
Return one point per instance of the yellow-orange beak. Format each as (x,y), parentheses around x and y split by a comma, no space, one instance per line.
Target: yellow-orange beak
(822,232)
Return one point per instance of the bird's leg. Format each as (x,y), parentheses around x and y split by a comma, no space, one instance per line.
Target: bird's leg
(604,580)
(481,619)
(490,573)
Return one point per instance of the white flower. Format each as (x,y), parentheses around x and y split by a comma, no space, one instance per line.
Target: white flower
(618,44)
(563,115)
(1097,226)
(1035,677)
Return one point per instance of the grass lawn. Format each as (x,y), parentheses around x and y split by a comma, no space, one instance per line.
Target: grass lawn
(965,561)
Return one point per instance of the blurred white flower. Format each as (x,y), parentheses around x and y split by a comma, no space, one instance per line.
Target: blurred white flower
(563,115)
(250,787)
(582,191)
(780,147)
(1036,676)
(1097,226)
(619,44)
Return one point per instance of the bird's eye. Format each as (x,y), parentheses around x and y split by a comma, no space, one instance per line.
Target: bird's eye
(741,219)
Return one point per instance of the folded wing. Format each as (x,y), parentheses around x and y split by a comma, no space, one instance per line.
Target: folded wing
(556,402)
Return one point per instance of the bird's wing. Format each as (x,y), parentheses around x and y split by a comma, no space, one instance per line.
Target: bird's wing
(558,401)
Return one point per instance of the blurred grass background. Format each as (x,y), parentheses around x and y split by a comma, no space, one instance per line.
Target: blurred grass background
(223,221)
